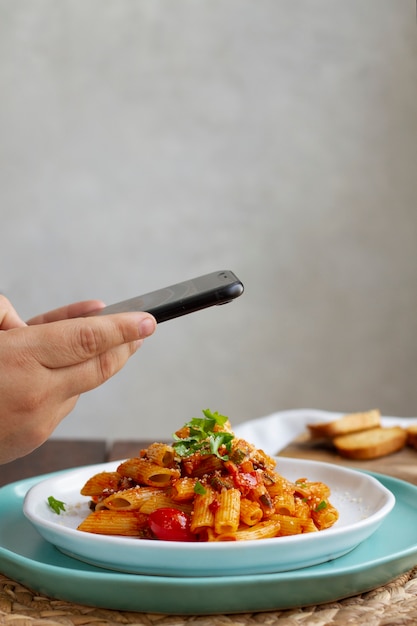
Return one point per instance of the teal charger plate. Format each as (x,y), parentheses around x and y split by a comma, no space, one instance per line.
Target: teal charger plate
(30,560)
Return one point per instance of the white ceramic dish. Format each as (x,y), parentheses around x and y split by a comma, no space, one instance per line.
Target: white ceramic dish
(363,503)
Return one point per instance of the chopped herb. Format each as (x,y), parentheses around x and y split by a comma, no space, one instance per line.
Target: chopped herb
(301,483)
(203,438)
(220,439)
(199,488)
(56,505)
(238,456)
(218,483)
(321,506)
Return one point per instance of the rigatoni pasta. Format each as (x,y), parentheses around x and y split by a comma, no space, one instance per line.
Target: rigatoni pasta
(207,486)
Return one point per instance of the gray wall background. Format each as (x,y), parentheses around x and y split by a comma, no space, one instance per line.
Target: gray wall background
(146,142)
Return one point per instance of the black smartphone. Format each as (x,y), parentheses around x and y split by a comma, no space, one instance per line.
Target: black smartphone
(191,295)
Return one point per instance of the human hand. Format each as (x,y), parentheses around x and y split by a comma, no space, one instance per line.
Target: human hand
(8,316)
(47,363)
(77,309)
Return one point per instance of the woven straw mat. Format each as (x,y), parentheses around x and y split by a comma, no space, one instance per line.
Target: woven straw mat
(394,604)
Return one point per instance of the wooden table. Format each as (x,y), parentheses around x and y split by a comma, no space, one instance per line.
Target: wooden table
(402,465)
(393,603)
(60,454)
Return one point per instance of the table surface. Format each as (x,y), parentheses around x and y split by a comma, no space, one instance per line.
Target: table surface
(381,606)
(60,454)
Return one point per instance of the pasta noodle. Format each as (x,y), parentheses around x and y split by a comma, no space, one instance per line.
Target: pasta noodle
(203,514)
(227,515)
(106,522)
(207,486)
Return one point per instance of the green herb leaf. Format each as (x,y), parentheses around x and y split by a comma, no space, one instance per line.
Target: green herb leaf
(220,439)
(199,488)
(56,505)
(301,483)
(321,506)
(203,438)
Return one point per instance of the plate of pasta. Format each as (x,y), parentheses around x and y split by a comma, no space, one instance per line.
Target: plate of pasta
(209,504)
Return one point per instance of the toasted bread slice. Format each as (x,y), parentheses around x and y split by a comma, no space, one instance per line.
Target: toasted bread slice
(412,435)
(372,443)
(351,423)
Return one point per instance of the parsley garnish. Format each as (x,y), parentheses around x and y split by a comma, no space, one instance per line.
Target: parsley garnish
(56,505)
(321,506)
(199,488)
(203,438)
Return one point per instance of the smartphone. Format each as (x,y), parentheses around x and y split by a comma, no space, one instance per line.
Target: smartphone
(182,298)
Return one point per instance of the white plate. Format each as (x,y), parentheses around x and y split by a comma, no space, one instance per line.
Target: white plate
(362,501)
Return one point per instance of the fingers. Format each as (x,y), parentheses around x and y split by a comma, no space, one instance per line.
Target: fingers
(71,342)
(76,309)
(8,316)
(97,357)
(78,379)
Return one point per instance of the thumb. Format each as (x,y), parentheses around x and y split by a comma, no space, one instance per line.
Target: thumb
(69,342)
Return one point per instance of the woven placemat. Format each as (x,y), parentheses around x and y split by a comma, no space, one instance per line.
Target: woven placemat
(393,604)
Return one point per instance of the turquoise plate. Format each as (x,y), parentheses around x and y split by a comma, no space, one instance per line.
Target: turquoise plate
(30,560)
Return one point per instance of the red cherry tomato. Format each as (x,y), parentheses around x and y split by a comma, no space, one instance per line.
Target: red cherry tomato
(170,524)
